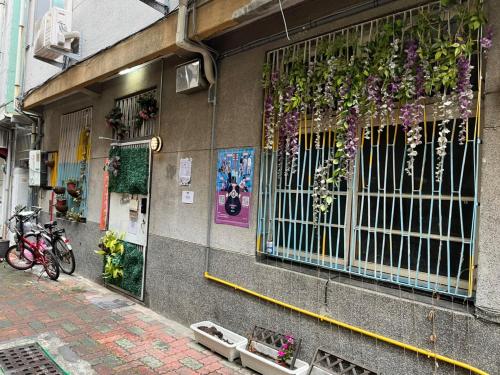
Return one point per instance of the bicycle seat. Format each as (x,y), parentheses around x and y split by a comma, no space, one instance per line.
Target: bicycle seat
(50,225)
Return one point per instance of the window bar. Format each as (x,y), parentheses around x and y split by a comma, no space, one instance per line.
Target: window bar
(440,209)
(460,209)
(278,197)
(475,150)
(450,211)
(420,195)
(276,231)
(401,213)
(312,169)
(289,187)
(309,156)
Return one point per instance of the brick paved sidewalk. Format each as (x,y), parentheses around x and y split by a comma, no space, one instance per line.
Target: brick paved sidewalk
(80,325)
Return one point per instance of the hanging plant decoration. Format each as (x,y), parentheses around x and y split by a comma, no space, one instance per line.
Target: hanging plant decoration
(113,165)
(351,84)
(148,109)
(114,120)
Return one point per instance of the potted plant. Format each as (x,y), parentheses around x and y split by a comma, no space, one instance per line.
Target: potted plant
(275,357)
(71,184)
(59,190)
(74,215)
(61,204)
(218,339)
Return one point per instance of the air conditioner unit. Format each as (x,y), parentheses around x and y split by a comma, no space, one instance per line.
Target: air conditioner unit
(53,34)
(37,175)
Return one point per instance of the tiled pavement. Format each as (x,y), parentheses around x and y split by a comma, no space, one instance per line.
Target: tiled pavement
(85,338)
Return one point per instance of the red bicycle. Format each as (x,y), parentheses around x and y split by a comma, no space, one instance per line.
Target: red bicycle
(26,253)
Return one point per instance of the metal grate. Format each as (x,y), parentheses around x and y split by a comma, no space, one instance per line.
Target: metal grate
(27,360)
(335,365)
(384,224)
(130,108)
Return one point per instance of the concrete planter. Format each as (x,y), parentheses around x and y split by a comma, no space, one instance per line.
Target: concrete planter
(266,366)
(213,343)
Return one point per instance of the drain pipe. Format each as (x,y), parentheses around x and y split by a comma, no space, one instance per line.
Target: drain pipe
(182,41)
(210,68)
(20,55)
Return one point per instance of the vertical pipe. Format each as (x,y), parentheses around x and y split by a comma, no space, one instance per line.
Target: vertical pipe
(20,54)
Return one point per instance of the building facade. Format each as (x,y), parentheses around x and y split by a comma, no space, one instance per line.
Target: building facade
(399,271)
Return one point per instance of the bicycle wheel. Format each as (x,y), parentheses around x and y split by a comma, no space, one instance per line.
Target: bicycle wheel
(20,257)
(51,265)
(65,256)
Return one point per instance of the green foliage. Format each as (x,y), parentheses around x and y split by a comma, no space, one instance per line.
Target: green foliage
(133,175)
(330,79)
(132,265)
(112,248)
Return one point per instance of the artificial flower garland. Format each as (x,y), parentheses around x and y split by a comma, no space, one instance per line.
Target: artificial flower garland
(349,85)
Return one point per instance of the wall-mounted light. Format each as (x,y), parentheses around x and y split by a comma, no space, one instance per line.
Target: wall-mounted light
(156,144)
(129,70)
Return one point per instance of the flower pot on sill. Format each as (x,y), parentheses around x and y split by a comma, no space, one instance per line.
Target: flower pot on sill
(59,189)
(266,365)
(62,205)
(215,344)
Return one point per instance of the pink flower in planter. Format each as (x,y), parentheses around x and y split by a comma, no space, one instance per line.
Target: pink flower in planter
(281,354)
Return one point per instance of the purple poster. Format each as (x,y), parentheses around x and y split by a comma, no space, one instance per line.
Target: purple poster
(234,186)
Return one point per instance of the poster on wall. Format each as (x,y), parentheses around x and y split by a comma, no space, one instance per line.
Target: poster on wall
(234,186)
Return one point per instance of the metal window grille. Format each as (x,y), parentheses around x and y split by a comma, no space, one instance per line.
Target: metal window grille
(70,165)
(384,224)
(130,108)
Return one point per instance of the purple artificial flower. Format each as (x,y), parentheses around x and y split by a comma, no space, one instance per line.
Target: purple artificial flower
(351,139)
(487,40)
(374,91)
(411,54)
(289,131)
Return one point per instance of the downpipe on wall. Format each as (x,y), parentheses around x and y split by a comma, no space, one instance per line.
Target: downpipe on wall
(211,73)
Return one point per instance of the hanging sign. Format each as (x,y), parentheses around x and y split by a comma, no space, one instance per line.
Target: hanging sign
(105,199)
(234,186)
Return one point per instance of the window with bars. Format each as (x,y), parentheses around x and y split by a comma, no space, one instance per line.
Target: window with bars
(130,108)
(73,160)
(411,229)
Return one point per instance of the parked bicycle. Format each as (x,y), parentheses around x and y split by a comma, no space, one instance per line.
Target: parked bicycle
(31,247)
(61,247)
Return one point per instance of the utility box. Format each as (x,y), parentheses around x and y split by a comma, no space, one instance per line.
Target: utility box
(37,169)
(189,77)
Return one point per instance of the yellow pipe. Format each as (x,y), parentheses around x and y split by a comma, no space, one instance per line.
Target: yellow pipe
(362,331)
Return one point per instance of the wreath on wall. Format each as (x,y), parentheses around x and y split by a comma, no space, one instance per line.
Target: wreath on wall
(148,109)
(115,120)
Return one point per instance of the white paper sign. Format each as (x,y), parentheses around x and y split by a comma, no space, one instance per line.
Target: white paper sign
(185,171)
(133,227)
(188,197)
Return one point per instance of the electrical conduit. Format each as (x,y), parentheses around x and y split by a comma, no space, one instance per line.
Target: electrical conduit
(349,327)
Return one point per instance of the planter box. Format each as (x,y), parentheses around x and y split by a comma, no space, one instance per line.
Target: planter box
(264,365)
(213,343)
